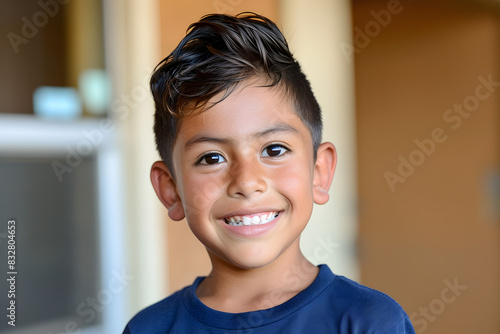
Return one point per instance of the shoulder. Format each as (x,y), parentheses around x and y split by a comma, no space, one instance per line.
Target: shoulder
(370,310)
(159,316)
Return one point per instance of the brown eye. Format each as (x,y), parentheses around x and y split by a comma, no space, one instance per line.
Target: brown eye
(274,150)
(211,159)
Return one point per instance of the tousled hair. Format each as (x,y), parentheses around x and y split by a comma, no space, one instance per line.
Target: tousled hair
(216,55)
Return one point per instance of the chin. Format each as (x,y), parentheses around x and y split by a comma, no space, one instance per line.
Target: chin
(251,262)
(248,265)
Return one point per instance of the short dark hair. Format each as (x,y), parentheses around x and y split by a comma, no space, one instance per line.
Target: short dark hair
(217,53)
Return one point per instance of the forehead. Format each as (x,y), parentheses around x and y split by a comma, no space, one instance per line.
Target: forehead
(250,105)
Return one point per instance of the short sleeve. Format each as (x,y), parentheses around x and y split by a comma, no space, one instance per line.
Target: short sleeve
(403,326)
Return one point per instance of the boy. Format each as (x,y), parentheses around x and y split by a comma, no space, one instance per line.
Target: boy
(239,133)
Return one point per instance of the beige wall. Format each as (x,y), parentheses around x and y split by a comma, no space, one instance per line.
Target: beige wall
(441,224)
(132,49)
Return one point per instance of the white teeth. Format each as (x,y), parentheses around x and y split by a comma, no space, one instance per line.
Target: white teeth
(255,220)
(247,220)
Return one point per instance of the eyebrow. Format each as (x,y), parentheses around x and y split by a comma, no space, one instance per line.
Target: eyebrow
(278,128)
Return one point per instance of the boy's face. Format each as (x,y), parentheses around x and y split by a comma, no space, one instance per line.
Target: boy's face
(246,176)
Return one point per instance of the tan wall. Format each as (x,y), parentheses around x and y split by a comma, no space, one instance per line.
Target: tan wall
(440,224)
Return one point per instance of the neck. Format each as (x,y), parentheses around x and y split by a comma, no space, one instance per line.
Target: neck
(231,289)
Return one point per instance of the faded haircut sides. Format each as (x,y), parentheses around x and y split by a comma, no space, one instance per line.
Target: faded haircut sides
(216,55)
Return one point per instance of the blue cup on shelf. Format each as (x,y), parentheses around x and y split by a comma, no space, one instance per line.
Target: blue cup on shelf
(57,102)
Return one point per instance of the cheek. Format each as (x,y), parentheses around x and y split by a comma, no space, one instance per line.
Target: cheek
(199,193)
(294,181)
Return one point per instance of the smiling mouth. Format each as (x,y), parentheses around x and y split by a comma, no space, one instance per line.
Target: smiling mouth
(259,219)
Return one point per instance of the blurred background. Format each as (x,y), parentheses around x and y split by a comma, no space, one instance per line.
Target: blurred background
(410,92)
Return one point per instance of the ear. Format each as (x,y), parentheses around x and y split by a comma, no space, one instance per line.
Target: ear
(166,190)
(324,168)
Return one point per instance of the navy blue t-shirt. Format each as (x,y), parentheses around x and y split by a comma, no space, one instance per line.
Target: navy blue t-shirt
(331,304)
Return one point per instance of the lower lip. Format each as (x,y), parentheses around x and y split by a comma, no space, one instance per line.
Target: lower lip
(251,231)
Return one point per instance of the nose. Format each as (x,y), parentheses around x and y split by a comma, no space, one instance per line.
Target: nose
(246,179)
